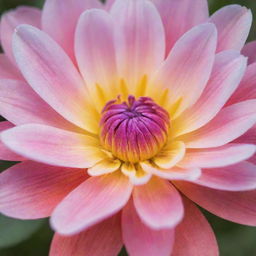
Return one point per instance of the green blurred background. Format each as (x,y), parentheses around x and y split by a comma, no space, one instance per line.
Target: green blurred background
(32,238)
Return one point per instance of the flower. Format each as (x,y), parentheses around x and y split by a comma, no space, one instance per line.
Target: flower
(124,115)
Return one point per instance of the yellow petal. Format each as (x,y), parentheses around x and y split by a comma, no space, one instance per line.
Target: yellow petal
(136,174)
(170,155)
(128,169)
(105,166)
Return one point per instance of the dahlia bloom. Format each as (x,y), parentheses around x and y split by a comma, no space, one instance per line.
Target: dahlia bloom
(124,116)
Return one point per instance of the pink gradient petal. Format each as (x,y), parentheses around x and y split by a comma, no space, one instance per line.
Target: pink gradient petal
(230,123)
(238,207)
(253,159)
(247,88)
(249,51)
(140,38)
(248,137)
(93,201)
(239,177)
(56,13)
(233,23)
(20,105)
(5,153)
(174,173)
(158,204)
(109,3)
(53,146)
(13,18)
(95,49)
(31,190)
(103,239)
(180,16)
(140,240)
(194,236)
(51,74)
(217,157)
(7,69)
(188,65)
(228,70)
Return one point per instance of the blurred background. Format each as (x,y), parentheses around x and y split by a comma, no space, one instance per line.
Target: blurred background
(32,238)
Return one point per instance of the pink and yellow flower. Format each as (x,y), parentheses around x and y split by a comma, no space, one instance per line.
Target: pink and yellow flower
(124,115)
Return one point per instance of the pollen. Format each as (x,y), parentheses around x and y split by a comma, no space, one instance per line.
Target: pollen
(134,130)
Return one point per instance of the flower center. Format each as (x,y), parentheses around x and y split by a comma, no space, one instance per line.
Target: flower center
(134,130)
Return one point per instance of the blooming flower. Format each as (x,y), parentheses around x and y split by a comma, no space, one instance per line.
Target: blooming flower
(124,115)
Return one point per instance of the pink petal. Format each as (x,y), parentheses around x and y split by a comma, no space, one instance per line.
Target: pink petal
(140,38)
(140,240)
(230,123)
(53,146)
(93,201)
(13,18)
(174,173)
(229,67)
(194,236)
(103,239)
(5,153)
(239,177)
(20,105)
(180,16)
(249,51)
(188,65)
(158,204)
(56,13)
(253,159)
(233,23)
(217,157)
(238,207)
(7,69)
(52,75)
(247,88)
(31,190)
(248,137)
(109,3)
(95,49)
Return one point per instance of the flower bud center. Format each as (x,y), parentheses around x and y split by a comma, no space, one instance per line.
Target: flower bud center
(134,130)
